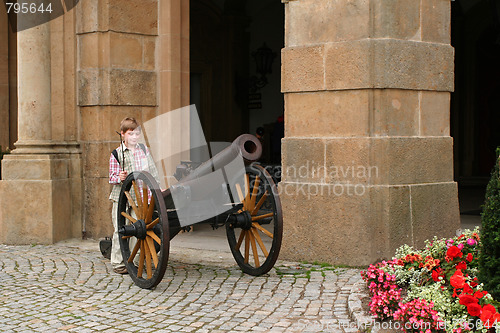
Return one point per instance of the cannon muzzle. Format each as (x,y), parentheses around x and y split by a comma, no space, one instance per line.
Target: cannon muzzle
(246,145)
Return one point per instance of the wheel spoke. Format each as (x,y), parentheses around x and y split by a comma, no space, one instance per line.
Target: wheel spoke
(240,194)
(152,224)
(148,259)
(258,226)
(259,240)
(254,193)
(141,259)
(134,252)
(128,217)
(259,204)
(151,208)
(247,247)
(138,198)
(152,234)
(247,190)
(132,203)
(260,217)
(144,202)
(240,240)
(254,249)
(152,249)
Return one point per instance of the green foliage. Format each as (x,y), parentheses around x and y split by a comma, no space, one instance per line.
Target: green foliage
(489,259)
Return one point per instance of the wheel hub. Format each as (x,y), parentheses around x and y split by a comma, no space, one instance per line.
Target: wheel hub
(137,229)
(243,220)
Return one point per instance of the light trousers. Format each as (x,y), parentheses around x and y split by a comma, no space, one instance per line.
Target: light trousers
(116,253)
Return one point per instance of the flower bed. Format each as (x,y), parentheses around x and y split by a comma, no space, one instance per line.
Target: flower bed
(435,289)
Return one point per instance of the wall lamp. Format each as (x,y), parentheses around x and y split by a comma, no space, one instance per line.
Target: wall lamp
(264,58)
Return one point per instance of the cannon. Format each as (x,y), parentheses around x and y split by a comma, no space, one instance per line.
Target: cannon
(244,200)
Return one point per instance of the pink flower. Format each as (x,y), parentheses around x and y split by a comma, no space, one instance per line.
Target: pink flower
(471,241)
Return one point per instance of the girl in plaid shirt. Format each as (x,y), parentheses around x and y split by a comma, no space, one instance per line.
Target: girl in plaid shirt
(131,157)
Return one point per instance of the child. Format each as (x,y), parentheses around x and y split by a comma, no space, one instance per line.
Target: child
(130,156)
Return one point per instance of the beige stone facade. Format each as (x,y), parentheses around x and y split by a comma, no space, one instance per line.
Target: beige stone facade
(366,86)
(369,92)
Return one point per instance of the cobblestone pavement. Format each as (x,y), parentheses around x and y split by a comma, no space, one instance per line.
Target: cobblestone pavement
(70,287)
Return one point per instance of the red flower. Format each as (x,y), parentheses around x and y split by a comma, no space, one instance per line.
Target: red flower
(474,309)
(454,252)
(457,280)
(489,307)
(478,294)
(496,318)
(468,289)
(470,257)
(461,265)
(487,314)
(437,273)
(467,299)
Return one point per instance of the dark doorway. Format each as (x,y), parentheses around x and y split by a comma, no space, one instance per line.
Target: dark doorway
(475,104)
(229,93)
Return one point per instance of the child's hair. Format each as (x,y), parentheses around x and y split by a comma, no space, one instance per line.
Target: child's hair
(128,123)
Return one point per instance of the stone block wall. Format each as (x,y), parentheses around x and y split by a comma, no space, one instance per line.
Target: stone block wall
(116,79)
(367,154)
(133,61)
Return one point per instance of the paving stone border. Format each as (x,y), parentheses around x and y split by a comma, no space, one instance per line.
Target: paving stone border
(364,320)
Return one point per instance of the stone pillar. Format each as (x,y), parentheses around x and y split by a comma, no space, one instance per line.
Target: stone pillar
(174,54)
(173,70)
(367,154)
(40,192)
(33,69)
(4,81)
(117,78)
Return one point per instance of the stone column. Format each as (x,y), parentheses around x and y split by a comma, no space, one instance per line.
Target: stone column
(173,71)
(4,81)
(40,190)
(34,124)
(367,153)
(117,78)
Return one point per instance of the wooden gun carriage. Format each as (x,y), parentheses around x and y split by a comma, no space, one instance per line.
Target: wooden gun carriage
(148,217)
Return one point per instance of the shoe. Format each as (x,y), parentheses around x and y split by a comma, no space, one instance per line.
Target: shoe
(120,270)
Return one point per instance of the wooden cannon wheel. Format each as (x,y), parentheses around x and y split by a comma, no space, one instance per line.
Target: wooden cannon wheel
(144,230)
(256,246)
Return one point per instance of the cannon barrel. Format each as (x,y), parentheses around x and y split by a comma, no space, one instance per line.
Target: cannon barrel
(246,145)
(196,187)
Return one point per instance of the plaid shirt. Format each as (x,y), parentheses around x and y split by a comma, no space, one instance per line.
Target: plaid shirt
(138,161)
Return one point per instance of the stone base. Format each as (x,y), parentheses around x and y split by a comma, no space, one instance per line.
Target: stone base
(40,198)
(357,226)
